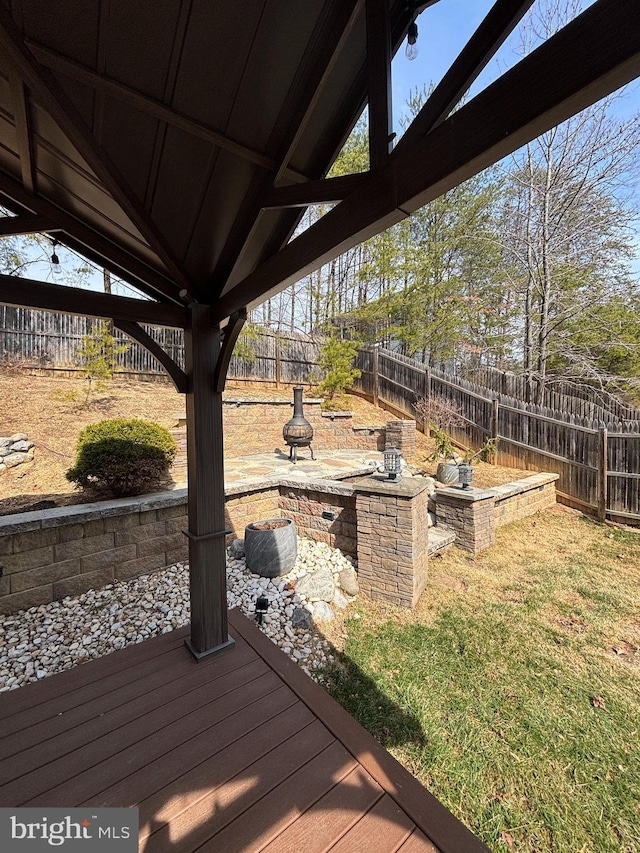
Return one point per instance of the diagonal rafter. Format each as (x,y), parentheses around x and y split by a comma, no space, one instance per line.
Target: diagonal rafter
(496,27)
(588,59)
(322,191)
(137,333)
(23,133)
(88,242)
(50,95)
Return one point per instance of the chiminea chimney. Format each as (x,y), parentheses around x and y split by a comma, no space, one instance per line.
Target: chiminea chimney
(298,432)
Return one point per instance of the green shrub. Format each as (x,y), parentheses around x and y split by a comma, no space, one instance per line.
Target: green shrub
(122,457)
(337,358)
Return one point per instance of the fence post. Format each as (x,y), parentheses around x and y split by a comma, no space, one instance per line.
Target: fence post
(602,471)
(375,375)
(277,361)
(426,426)
(495,425)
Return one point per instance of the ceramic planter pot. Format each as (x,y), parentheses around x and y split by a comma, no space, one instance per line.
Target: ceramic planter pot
(447,473)
(271,546)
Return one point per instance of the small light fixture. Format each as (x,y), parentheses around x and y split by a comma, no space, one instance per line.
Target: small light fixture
(55,260)
(465,475)
(411,50)
(392,462)
(262,605)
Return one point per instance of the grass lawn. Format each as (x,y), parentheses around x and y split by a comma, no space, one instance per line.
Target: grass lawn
(513,691)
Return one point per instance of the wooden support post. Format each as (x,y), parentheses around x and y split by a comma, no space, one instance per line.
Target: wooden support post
(207,529)
(495,425)
(602,471)
(379,70)
(376,357)
(278,362)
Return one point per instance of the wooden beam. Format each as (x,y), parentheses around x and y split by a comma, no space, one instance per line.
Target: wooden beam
(133,330)
(500,21)
(10,225)
(23,133)
(73,300)
(379,84)
(52,97)
(588,59)
(125,94)
(88,242)
(205,462)
(231,333)
(323,191)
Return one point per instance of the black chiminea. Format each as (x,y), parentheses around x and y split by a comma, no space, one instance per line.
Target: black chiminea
(298,432)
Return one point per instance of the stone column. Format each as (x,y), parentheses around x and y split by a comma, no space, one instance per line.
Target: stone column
(470,514)
(401,434)
(392,539)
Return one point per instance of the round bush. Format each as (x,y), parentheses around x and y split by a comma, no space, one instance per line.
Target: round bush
(122,457)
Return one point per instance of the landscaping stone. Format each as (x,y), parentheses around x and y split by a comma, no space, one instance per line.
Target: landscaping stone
(14,459)
(348,580)
(55,636)
(339,600)
(21,446)
(236,549)
(15,450)
(317,586)
(322,612)
(300,618)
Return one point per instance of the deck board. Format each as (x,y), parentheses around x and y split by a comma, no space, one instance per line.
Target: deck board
(241,752)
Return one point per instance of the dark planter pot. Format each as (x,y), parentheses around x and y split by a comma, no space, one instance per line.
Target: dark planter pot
(271,552)
(447,473)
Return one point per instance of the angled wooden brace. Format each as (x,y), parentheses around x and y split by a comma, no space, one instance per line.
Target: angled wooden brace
(133,330)
(231,332)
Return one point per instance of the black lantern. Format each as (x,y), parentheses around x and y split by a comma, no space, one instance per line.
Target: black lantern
(262,605)
(392,462)
(465,475)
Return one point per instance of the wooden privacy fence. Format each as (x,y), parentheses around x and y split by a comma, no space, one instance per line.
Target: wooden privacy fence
(559,394)
(598,462)
(50,340)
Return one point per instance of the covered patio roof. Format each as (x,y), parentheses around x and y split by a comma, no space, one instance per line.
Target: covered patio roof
(177,144)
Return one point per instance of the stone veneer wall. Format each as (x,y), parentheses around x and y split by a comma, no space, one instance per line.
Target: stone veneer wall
(474,514)
(53,553)
(324,511)
(392,539)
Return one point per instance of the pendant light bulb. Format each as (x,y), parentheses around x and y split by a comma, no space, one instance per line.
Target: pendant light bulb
(55,260)
(411,50)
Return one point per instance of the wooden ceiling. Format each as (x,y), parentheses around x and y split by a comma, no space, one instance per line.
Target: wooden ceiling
(178,143)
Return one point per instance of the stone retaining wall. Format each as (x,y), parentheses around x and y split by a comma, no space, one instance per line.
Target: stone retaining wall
(324,511)
(331,430)
(474,514)
(50,554)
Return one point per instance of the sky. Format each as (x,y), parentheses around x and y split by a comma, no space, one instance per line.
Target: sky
(443,30)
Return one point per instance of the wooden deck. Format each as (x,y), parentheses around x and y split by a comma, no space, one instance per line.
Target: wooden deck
(241,752)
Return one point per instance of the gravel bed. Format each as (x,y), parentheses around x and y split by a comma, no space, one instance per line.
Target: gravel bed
(44,640)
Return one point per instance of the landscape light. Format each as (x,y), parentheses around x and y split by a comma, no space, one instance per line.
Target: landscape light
(262,605)
(392,462)
(465,475)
